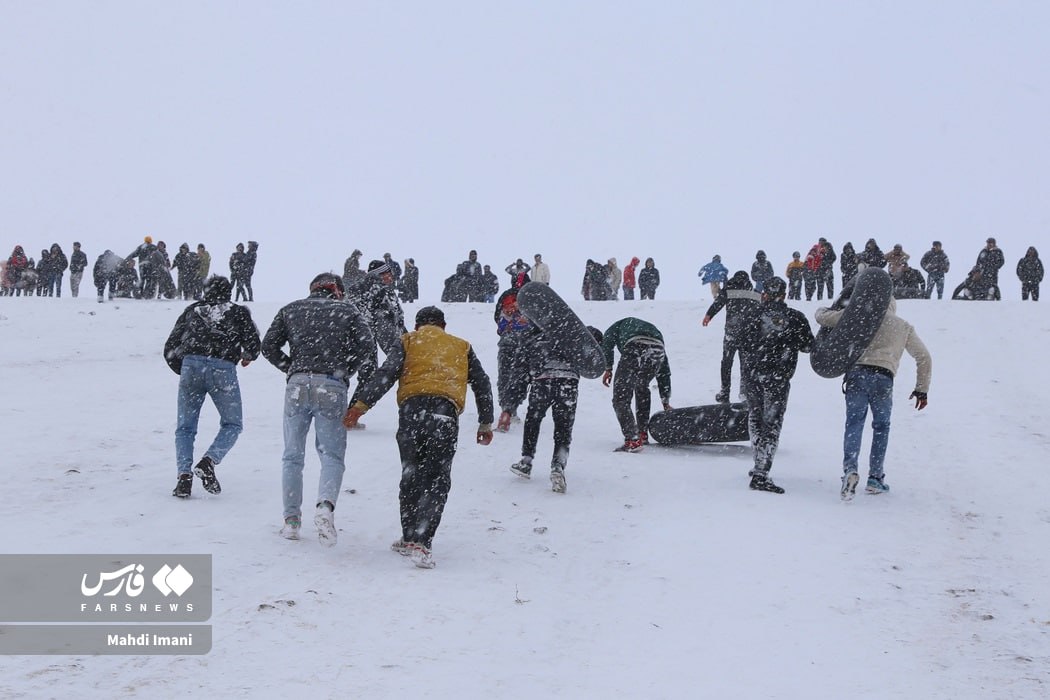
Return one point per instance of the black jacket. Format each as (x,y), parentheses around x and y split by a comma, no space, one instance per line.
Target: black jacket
(737,296)
(1030,269)
(770,340)
(990,261)
(324,335)
(378,303)
(78,261)
(219,329)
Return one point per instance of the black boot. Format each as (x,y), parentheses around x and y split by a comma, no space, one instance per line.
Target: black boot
(205,469)
(184,486)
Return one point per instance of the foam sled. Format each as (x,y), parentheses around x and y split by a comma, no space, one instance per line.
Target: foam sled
(543,307)
(865,300)
(698,425)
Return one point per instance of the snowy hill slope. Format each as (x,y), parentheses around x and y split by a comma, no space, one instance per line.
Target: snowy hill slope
(657,575)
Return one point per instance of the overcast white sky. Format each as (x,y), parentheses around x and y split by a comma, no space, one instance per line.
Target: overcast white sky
(583,129)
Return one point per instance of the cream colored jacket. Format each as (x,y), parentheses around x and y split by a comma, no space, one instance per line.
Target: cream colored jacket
(894,336)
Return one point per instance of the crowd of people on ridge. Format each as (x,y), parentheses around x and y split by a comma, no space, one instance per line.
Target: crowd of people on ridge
(145,273)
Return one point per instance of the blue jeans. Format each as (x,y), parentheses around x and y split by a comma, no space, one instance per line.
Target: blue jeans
(200,377)
(866,387)
(321,399)
(935,280)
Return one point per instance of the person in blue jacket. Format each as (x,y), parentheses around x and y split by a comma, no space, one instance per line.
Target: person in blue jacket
(715,274)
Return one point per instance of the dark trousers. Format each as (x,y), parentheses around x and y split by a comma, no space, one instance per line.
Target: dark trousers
(428,428)
(1029,288)
(766,402)
(638,365)
(506,377)
(730,347)
(561,397)
(826,279)
(628,293)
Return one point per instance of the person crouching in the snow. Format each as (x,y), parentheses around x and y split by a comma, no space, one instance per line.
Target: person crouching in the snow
(433,369)
(208,340)
(642,357)
(553,383)
(771,338)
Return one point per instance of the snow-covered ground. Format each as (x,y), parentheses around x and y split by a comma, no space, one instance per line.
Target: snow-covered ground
(658,575)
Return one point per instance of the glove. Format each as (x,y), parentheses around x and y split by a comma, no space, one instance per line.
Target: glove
(353,414)
(707,320)
(920,399)
(484,436)
(607,377)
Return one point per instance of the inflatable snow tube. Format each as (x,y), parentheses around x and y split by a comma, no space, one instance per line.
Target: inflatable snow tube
(865,300)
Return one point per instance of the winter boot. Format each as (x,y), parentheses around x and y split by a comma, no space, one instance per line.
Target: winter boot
(761,482)
(183,486)
(401,547)
(643,437)
(205,469)
(722,396)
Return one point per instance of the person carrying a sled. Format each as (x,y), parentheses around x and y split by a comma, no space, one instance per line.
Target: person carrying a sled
(869,383)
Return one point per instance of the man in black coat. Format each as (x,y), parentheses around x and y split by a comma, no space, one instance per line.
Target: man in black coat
(737,296)
(78,262)
(772,337)
(990,259)
(208,340)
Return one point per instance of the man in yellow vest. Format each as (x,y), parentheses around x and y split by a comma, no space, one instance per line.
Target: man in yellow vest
(433,369)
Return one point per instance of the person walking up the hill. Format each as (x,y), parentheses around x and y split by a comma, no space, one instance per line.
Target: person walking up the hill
(328,341)
(771,338)
(209,338)
(869,384)
(433,369)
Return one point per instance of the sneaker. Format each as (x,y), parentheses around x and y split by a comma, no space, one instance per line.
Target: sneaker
(630,445)
(849,486)
(292,525)
(876,486)
(358,426)
(503,424)
(722,396)
(183,486)
(420,556)
(401,547)
(205,469)
(324,521)
(557,481)
(761,482)
(522,468)
(643,437)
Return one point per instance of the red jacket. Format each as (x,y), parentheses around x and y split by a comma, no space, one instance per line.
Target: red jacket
(628,274)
